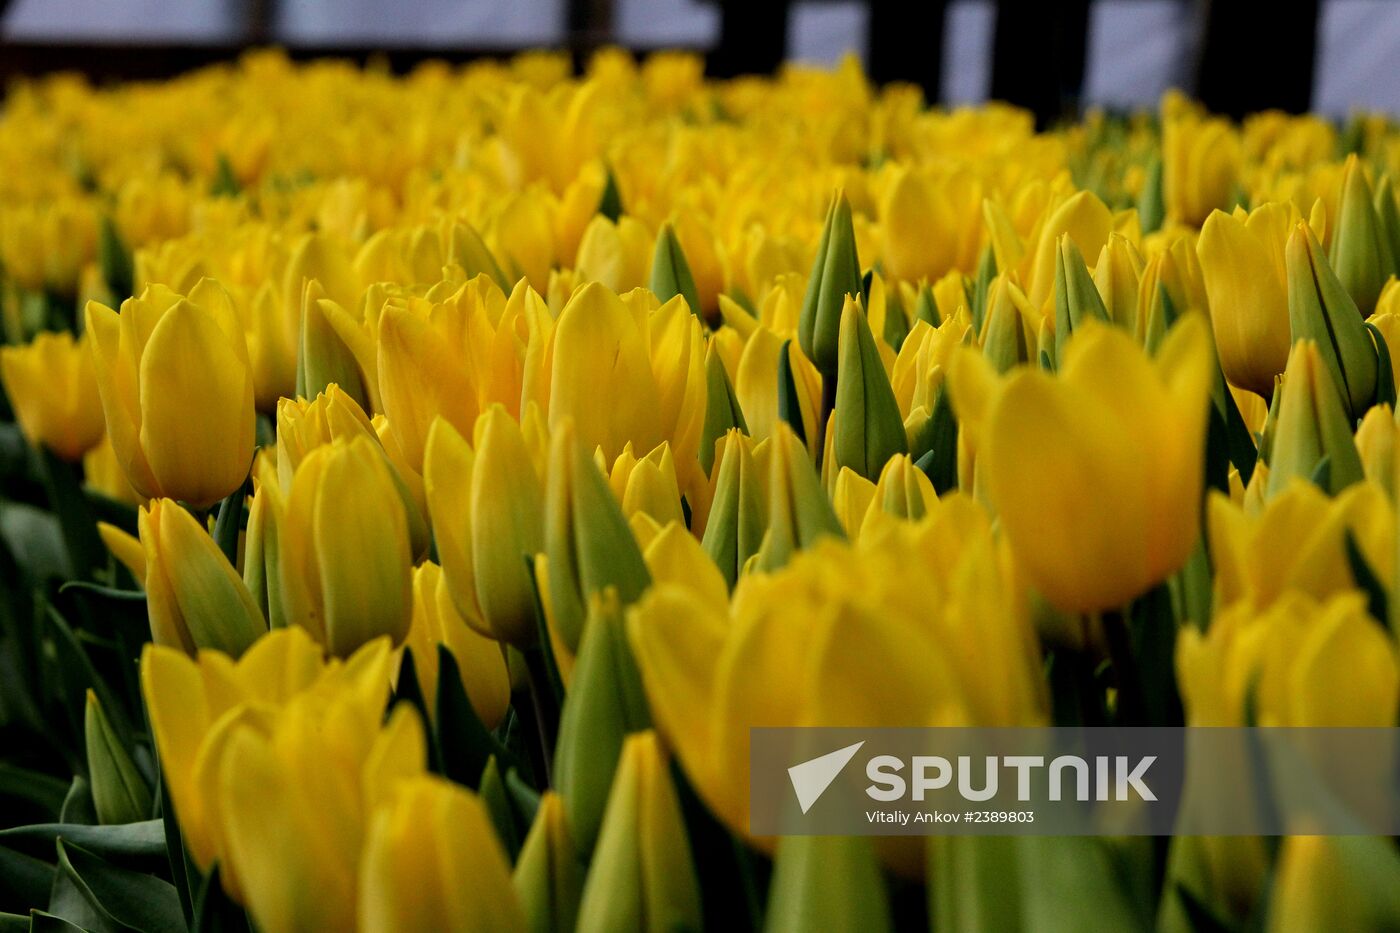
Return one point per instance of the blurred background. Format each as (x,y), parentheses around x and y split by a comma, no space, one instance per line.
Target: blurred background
(1333,56)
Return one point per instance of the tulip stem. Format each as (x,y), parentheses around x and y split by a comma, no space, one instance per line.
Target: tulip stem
(86,552)
(1131,706)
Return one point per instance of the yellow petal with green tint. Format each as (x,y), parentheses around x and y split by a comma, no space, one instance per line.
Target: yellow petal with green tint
(548,874)
(448,464)
(125,548)
(827,883)
(174,693)
(119,792)
(642,876)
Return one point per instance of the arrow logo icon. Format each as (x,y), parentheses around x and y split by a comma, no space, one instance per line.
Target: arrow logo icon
(810,779)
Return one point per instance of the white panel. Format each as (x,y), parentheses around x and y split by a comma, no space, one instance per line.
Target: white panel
(462,23)
(1138,49)
(967,51)
(1358,57)
(822,33)
(649,23)
(108,20)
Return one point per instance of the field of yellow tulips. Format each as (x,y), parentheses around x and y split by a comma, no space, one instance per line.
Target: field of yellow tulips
(414,488)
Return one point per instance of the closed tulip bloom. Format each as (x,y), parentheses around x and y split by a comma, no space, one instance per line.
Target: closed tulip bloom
(194,597)
(919,229)
(1200,162)
(1313,430)
(1117,275)
(507,527)
(615,255)
(1319,309)
(1334,883)
(642,876)
(601,351)
(835,274)
(1242,261)
(344,548)
(119,792)
(735,527)
(868,427)
(1376,439)
(1360,253)
(53,390)
(827,883)
(548,872)
(177,393)
(432,862)
(1114,427)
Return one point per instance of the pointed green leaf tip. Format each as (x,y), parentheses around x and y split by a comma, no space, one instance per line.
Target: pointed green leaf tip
(587,541)
(1320,309)
(610,204)
(670,273)
(114,261)
(835,274)
(604,704)
(869,429)
(828,883)
(1077,298)
(722,411)
(119,792)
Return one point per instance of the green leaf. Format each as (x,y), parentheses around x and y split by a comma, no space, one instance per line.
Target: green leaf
(24,879)
(610,204)
(670,272)
(229,523)
(45,792)
(78,806)
(463,741)
(940,461)
(177,862)
(36,541)
(722,411)
(1151,204)
(225,183)
(41,922)
(1385,374)
(138,846)
(129,898)
(86,552)
(789,408)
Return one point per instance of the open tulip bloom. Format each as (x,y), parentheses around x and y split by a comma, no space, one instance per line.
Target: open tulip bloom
(424,497)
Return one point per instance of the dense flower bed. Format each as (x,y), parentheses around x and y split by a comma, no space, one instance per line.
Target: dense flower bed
(416,487)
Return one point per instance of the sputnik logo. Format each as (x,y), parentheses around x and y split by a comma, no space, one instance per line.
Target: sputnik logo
(811,778)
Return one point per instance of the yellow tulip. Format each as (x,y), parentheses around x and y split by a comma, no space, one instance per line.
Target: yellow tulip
(479,659)
(194,705)
(601,351)
(615,255)
(103,474)
(194,597)
(1242,261)
(842,635)
(52,387)
(1200,162)
(177,393)
(432,862)
(344,559)
(920,230)
(1300,662)
(1115,428)
(1297,542)
(507,528)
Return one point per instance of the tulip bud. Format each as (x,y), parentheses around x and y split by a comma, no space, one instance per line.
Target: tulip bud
(119,792)
(648,486)
(869,429)
(1010,328)
(322,357)
(1360,253)
(506,528)
(548,872)
(799,513)
(604,705)
(851,496)
(344,556)
(835,274)
(1076,297)
(670,273)
(431,861)
(642,876)
(176,392)
(587,542)
(722,411)
(193,595)
(1319,309)
(903,490)
(734,530)
(53,389)
(1312,438)
(1375,444)
(448,464)
(1117,274)
(615,255)
(827,883)
(466,248)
